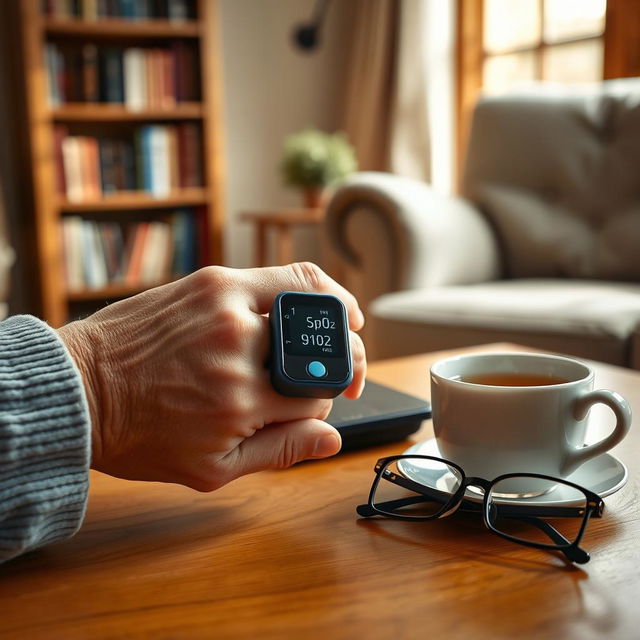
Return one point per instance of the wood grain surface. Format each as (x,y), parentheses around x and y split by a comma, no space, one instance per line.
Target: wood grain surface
(282,554)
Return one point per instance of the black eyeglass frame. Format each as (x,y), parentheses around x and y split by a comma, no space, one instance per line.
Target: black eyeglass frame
(594,505)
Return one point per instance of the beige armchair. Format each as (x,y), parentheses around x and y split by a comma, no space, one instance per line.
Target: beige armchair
(543,247)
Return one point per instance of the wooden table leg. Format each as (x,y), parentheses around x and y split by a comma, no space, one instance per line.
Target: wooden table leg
(261,244)
(284,248)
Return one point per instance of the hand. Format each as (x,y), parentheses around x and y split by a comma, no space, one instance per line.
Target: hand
(177,386)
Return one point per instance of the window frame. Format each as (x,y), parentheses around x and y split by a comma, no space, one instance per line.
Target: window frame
(621,46)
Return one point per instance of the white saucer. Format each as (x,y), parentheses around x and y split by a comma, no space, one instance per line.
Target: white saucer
(603,475)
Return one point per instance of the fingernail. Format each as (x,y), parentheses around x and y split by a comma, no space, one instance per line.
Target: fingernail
(326,445)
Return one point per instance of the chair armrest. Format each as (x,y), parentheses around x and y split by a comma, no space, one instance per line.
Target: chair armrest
(400,234)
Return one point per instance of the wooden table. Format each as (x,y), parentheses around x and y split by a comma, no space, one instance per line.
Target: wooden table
(282,222)
(282,554)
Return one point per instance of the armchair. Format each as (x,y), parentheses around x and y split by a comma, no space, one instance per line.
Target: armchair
(542,247)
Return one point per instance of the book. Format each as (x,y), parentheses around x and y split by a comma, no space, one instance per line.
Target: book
(53,65)
(187,72)
(135,86)
(127,9)
(143,154)
(156,259)
(72,168)
(112,249)
(94,269)
(189,155)
(91,168)
(72,229)
(184,240)
(59,134)
(167,93)
(89,72)
(160,169)
(112,76)
(89,10)
(178,10)
(109,170)
(98,261)
(126,157)
(134,258)
(174,158)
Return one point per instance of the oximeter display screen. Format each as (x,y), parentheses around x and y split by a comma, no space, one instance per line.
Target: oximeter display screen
(310,345)
(312,330)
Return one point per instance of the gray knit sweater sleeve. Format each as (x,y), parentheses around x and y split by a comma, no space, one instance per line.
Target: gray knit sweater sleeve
(44,438)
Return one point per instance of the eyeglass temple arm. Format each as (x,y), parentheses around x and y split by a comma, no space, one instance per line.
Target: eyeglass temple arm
(367,510)
(576,554)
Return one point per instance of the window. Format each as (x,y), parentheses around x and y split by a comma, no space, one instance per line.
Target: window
(505,43)
(553,40)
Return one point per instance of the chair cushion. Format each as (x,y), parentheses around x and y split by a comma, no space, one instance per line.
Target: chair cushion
(555,169)
(543,239)
(588,308)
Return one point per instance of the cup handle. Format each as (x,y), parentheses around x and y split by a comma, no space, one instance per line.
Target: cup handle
(622,411)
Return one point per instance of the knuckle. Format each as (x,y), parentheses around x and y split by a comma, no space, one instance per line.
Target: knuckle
(212,279)
(232,327)
(309,275)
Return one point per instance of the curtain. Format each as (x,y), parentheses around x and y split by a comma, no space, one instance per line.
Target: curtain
(370,81)
(399,98)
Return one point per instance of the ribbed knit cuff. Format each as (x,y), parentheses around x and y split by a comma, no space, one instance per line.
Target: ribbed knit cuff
(44,438)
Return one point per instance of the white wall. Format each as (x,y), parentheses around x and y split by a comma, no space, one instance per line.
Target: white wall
(270,90)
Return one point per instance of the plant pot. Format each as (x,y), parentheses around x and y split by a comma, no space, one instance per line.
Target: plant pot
(315,197)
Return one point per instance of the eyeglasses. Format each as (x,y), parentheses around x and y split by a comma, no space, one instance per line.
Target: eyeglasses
(417,487)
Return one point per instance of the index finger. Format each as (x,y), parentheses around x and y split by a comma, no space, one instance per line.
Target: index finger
(264,284)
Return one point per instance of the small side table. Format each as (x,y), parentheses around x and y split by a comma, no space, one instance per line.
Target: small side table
(282,221)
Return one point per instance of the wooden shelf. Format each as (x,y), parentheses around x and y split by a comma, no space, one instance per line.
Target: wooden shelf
(112,291)
(113,28)
(81,112)
(136,200)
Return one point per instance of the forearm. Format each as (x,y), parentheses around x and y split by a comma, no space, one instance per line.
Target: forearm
(44,438)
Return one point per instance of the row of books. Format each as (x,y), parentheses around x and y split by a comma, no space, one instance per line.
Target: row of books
(127,9)
(139,78)
(99,254)
(158,159)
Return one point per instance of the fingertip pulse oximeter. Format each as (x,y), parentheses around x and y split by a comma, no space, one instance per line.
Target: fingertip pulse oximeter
(310,353)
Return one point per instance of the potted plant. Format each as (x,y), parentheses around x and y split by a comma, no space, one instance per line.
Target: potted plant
(314,160)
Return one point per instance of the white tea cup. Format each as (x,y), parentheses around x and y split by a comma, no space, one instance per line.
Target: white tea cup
(500,413)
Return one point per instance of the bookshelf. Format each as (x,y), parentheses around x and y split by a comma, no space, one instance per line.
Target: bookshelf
(100,181)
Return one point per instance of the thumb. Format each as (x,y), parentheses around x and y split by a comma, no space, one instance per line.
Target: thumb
(281,445)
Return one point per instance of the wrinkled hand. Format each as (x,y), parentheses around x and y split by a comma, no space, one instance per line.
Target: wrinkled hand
(177,386)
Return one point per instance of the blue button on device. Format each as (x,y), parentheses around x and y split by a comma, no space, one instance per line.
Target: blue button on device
(317,369)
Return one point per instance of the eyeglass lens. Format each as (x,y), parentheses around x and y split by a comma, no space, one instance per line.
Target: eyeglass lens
(416,487)
(566,521)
